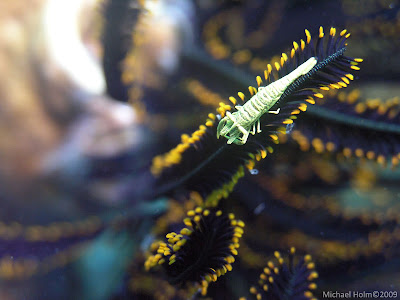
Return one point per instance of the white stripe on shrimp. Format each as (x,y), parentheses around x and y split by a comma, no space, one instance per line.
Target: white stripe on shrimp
(237,126)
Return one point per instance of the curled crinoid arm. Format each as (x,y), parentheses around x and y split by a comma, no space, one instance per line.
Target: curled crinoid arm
(202,251)
(285,279)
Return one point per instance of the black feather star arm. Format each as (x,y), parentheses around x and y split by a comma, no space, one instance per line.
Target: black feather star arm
(286,280)
(202,251)
(119,17)
(352,127)
(203,163)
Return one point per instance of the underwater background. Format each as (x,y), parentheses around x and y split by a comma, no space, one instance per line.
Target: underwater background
(115,186)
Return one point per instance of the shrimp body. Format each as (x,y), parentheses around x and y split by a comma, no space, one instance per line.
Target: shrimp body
(236,126)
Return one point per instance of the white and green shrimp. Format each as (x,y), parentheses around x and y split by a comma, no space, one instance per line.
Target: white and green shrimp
(237,126)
